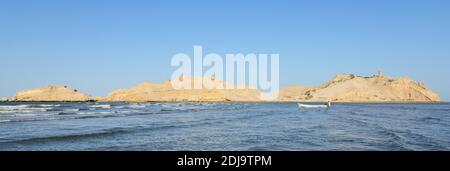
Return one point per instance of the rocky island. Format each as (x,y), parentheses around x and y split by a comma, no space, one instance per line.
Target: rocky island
(351,88)
(164,92)
(342,88)
(52,94)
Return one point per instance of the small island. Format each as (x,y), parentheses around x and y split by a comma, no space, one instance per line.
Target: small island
(342,88)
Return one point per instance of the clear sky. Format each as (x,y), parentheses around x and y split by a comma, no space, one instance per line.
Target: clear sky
(101,45)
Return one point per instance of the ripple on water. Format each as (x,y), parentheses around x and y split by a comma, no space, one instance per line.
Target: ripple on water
(222,126)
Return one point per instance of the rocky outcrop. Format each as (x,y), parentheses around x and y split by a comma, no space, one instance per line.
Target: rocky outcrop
(351,88)
(165,92)
(342,88)
(295,93)
(52,94)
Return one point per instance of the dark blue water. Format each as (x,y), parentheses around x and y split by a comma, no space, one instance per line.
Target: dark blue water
(223,126)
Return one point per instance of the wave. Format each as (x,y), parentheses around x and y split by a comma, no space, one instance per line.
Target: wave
(87,117)
(95,112)
(430,119)
(22,108)
(7,111)
(4,121)
(29,120)
(187,106)
(50,105)
(67,113)
(34,114)
(75,115)
(68,136)
(104,106)
(14,107)
(85,108)
(54,109)
(71,110)
(391,135)
(105,132)
(30,110)
(61,109)
(258,148)
(131,106)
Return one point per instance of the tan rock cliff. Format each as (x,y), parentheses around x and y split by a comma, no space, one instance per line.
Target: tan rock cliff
(52,93)
(351,88)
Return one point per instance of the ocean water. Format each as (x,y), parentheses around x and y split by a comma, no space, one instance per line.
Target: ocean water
(223,126)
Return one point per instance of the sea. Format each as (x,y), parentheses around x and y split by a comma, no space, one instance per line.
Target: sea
(223,127)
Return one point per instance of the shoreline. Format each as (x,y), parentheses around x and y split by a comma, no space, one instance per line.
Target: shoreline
(307,102)
(346,88)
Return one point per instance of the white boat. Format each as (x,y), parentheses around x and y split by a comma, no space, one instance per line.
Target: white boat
(304,106)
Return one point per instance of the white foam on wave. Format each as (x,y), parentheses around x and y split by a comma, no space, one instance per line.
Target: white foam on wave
(104,106)
(131,106)
(184,106)
(6,111)
(34,109)
(14,107)
(33,114)
(50,105)
(103,112)
(71,110)
(4,121)
(35,119)
(24,109)
(94,113)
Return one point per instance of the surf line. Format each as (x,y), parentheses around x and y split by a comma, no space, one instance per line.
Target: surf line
(194,161)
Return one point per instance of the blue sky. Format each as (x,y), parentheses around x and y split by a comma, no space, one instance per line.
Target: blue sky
(98,45)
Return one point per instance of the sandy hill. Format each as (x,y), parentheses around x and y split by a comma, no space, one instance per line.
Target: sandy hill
(342,88)
(351,88)
(164,92)
(53,94)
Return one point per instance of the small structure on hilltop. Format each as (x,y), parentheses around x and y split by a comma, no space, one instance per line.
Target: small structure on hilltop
(379,74)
